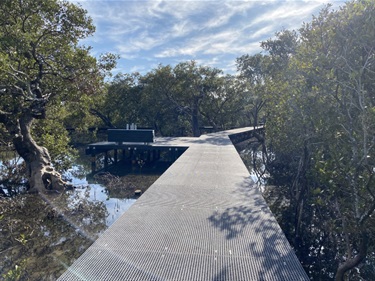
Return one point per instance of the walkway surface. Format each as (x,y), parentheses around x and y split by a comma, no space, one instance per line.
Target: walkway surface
(203,219)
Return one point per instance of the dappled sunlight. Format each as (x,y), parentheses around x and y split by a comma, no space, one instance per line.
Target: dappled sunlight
(255,226)
(233,221)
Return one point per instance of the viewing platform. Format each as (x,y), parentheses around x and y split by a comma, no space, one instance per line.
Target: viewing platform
(203,219)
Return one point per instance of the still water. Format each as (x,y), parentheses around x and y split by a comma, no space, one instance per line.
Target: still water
(40,236)
(96,192)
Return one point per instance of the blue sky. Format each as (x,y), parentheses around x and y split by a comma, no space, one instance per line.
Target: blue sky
(146,33)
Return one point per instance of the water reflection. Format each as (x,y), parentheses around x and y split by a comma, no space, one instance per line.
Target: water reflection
(96,192)
(43,234)
(12,170)
(115,207)
(253,157)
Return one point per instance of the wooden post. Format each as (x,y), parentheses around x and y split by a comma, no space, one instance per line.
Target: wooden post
(129,155)
(106,160)
(115,158)
(93,163)
(157,155)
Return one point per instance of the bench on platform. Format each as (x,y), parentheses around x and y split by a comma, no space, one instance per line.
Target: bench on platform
(123,135)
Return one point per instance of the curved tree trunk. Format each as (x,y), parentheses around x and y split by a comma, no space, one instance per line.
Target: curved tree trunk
(106,120)
(40,173)
(195,126)
(195,118)
(352,262)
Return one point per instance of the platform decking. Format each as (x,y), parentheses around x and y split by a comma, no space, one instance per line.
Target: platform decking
(203,219)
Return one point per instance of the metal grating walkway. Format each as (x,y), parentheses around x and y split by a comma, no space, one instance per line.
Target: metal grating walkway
(201,220)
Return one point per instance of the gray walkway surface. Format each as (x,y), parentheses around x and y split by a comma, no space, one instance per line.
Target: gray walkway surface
(203,219)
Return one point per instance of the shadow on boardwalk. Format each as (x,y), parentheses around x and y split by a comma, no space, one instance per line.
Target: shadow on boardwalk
(267,245)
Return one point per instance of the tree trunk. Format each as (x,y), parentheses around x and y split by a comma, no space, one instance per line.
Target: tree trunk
(194,118)
(352,262)
(195,125)
(300,186)
(106,120)
(40,173)
(254,113)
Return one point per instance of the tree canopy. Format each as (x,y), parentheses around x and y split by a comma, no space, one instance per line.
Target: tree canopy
(313,87)
(320,133)
(43,70)
(175,101)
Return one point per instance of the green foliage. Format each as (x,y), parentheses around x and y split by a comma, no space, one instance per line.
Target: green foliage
(14,274)
(320,128)
(53,135)
(22,239)
(174,101)
(46,76)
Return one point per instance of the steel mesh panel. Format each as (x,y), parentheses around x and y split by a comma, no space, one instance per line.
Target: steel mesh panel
(203,219)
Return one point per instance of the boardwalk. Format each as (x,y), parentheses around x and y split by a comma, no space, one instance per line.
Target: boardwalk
(201,220)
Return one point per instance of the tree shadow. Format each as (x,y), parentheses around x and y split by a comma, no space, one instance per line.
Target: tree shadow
(233,220)
(255,230)
(222,275)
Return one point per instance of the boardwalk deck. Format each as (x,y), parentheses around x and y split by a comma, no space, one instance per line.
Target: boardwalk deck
(203,219)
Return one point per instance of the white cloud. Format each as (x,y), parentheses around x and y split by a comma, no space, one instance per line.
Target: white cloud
(149,32)
(181,28)
(264,31)
(289,11)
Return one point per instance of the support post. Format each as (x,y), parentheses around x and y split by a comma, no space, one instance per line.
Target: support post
(106,160)
(115,156)
(157,155)
(93,163)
